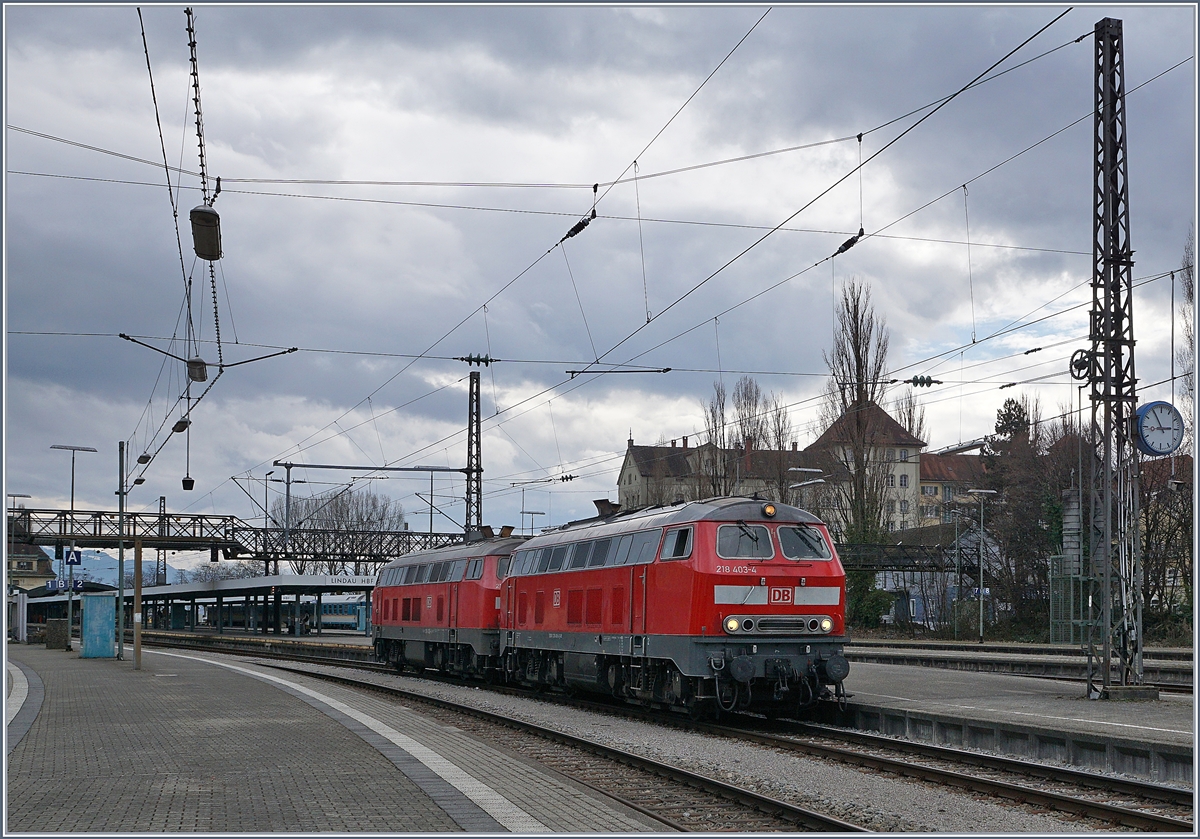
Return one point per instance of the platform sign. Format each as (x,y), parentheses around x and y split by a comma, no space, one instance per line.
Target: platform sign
(63,585)
(74,557)
(987,592)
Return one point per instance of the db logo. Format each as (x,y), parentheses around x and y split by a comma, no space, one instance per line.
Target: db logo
(780,595)
(557,598)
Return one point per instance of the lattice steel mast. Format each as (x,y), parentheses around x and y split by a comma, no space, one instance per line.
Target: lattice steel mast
(1115,538)
(474,470)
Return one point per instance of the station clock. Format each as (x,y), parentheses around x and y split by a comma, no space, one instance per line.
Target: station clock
(1159,428)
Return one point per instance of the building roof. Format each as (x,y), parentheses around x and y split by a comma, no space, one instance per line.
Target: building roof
(669,461)
(951,468)
(881,429)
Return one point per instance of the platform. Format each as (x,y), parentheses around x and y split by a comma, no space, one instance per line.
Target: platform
(1030,717)
(199,743)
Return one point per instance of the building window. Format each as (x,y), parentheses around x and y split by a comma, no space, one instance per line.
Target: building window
(929,490)
(891,455)
(24,566)
(891,508)
(904,455)
(904,524)
(904,506)
(904,480)
(912,608)
(891,480)
(891,526)
(946,492)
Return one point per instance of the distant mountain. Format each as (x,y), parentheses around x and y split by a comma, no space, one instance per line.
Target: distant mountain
(102,568)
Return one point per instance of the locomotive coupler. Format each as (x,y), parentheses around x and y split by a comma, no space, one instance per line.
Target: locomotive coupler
(784,672)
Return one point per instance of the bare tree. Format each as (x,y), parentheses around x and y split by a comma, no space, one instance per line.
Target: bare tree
(717,477)
(343,510)
(857,365)
(779,438)
(1185,357)
(911,414)
(750,412)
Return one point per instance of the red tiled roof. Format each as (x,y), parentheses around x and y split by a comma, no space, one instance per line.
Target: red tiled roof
(952,468)
(877,423)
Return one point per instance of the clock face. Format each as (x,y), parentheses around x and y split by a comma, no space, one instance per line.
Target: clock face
(1160,428)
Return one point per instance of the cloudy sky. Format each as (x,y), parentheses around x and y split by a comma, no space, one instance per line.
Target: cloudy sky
(473,136)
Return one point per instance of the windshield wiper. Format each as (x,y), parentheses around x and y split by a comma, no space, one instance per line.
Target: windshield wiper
(742,527)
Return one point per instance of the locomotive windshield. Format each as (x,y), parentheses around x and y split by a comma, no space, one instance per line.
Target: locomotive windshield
(744,541)
(803,542)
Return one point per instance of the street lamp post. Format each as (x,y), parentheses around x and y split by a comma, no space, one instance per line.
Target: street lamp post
(70,565)
(981,493)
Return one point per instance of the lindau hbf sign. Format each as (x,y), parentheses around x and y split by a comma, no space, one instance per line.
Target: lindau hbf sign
(357,582)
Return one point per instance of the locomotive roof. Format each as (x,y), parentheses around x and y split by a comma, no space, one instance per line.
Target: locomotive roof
(472,550)
(709,509)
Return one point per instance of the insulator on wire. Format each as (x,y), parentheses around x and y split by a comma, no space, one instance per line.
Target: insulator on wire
(578,226)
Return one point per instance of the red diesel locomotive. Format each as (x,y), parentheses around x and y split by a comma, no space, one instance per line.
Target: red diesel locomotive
(722,604)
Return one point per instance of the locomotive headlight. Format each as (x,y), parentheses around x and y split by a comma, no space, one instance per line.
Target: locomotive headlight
(769,510)
(731,625)
(826,624)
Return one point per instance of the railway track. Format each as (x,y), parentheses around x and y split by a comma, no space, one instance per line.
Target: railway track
(679,799)
(1105,798)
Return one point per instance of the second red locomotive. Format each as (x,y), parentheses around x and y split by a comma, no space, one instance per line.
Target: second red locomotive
(722,604)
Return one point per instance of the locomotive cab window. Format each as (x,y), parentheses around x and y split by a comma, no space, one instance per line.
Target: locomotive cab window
(802,542)
(744,541)
(678,544)
(502,567)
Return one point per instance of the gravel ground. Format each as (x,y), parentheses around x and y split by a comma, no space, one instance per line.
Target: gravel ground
(878,801)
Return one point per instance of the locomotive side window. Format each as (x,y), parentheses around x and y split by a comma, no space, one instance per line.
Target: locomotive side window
(599,553)
(531,562)
(557,557)
(544,562)
(678,544)
(621,552)
(422,574)
(644,546)
(579,554)
(475,569)
(802,542)
(517,565)
(456,572)
(410,574)
(744,541)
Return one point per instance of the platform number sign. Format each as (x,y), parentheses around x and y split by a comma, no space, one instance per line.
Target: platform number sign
(74,557)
